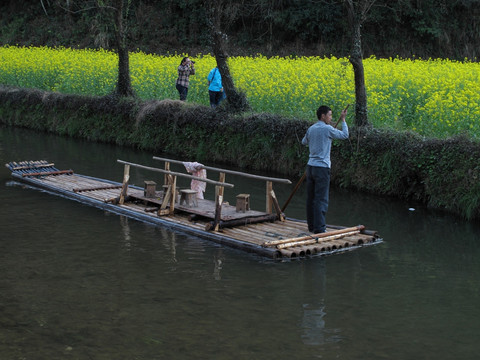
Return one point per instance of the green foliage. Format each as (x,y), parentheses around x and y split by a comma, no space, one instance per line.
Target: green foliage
(429,28)
(443,174)
(440,173)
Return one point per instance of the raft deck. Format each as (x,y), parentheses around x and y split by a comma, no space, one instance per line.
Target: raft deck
(264,233)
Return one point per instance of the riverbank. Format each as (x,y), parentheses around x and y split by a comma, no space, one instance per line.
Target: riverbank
(442,174)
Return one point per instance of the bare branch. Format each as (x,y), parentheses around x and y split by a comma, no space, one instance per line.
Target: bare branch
(86,9)
(43,6)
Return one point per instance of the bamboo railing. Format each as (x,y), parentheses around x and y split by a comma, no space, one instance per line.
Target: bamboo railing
(271,200)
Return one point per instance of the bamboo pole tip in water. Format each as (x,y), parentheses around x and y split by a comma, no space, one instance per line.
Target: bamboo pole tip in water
(276,255)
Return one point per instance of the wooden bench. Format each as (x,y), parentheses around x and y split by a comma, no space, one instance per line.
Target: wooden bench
(243,202)
(150,188)
(189,197)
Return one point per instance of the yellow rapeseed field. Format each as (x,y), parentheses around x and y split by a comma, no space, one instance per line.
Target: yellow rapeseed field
(431,97)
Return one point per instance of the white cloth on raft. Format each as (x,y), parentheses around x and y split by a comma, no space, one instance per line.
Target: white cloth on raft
(196,169)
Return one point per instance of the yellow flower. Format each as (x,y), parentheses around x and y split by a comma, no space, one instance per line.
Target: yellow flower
(426,96)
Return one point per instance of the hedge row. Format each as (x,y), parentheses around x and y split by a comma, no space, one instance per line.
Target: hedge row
(442,174)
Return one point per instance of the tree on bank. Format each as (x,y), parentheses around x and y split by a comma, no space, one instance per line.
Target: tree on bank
(116,14)
(124,85)
(236,100)
(357,14)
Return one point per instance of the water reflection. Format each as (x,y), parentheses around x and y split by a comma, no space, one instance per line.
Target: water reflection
(81,283)
(127,244)
(315,332)
(218,260)
(169,241)
(313,324)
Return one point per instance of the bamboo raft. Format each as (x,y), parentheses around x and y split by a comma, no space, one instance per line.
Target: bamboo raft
(267,233)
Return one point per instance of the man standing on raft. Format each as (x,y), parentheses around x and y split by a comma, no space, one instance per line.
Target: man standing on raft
(319,140)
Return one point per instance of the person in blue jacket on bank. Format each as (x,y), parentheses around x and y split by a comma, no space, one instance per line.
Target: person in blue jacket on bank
(215,87)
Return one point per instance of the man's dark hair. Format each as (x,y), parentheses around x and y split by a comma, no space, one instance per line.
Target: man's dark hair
(322,110)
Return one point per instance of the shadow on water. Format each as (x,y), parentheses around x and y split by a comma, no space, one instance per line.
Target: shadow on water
(81,283)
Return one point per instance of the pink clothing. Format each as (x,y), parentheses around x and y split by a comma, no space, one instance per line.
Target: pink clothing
(196,169)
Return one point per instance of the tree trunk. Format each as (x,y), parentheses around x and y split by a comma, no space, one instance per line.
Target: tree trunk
(355,17)
(236,100)
(124,85)
(361,115)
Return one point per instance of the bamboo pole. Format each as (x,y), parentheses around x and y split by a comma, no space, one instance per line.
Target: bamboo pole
(320,235)
(166,197)
(126,178)
(268,206)
(294,191)
(338,121)
(275,204)
(173,196)
(177,174)
(218,212)
(96,188)
(34,166)
(315,240)
(167,168)
(288,253)
(316,237)
(251,176)
(60,172)
(219,191)
(221,224)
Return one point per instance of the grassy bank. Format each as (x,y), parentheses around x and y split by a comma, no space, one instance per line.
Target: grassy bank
(437,98)
(442,174)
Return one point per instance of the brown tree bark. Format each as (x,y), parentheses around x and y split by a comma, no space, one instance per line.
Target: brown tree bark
(357,12)
(124,85)
(119,9)
(361,114)
(236,100)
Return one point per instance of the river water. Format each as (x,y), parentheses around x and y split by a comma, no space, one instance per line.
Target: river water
(80,283)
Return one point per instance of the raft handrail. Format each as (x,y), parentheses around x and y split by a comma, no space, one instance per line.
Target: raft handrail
(227,185)
(226,171)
